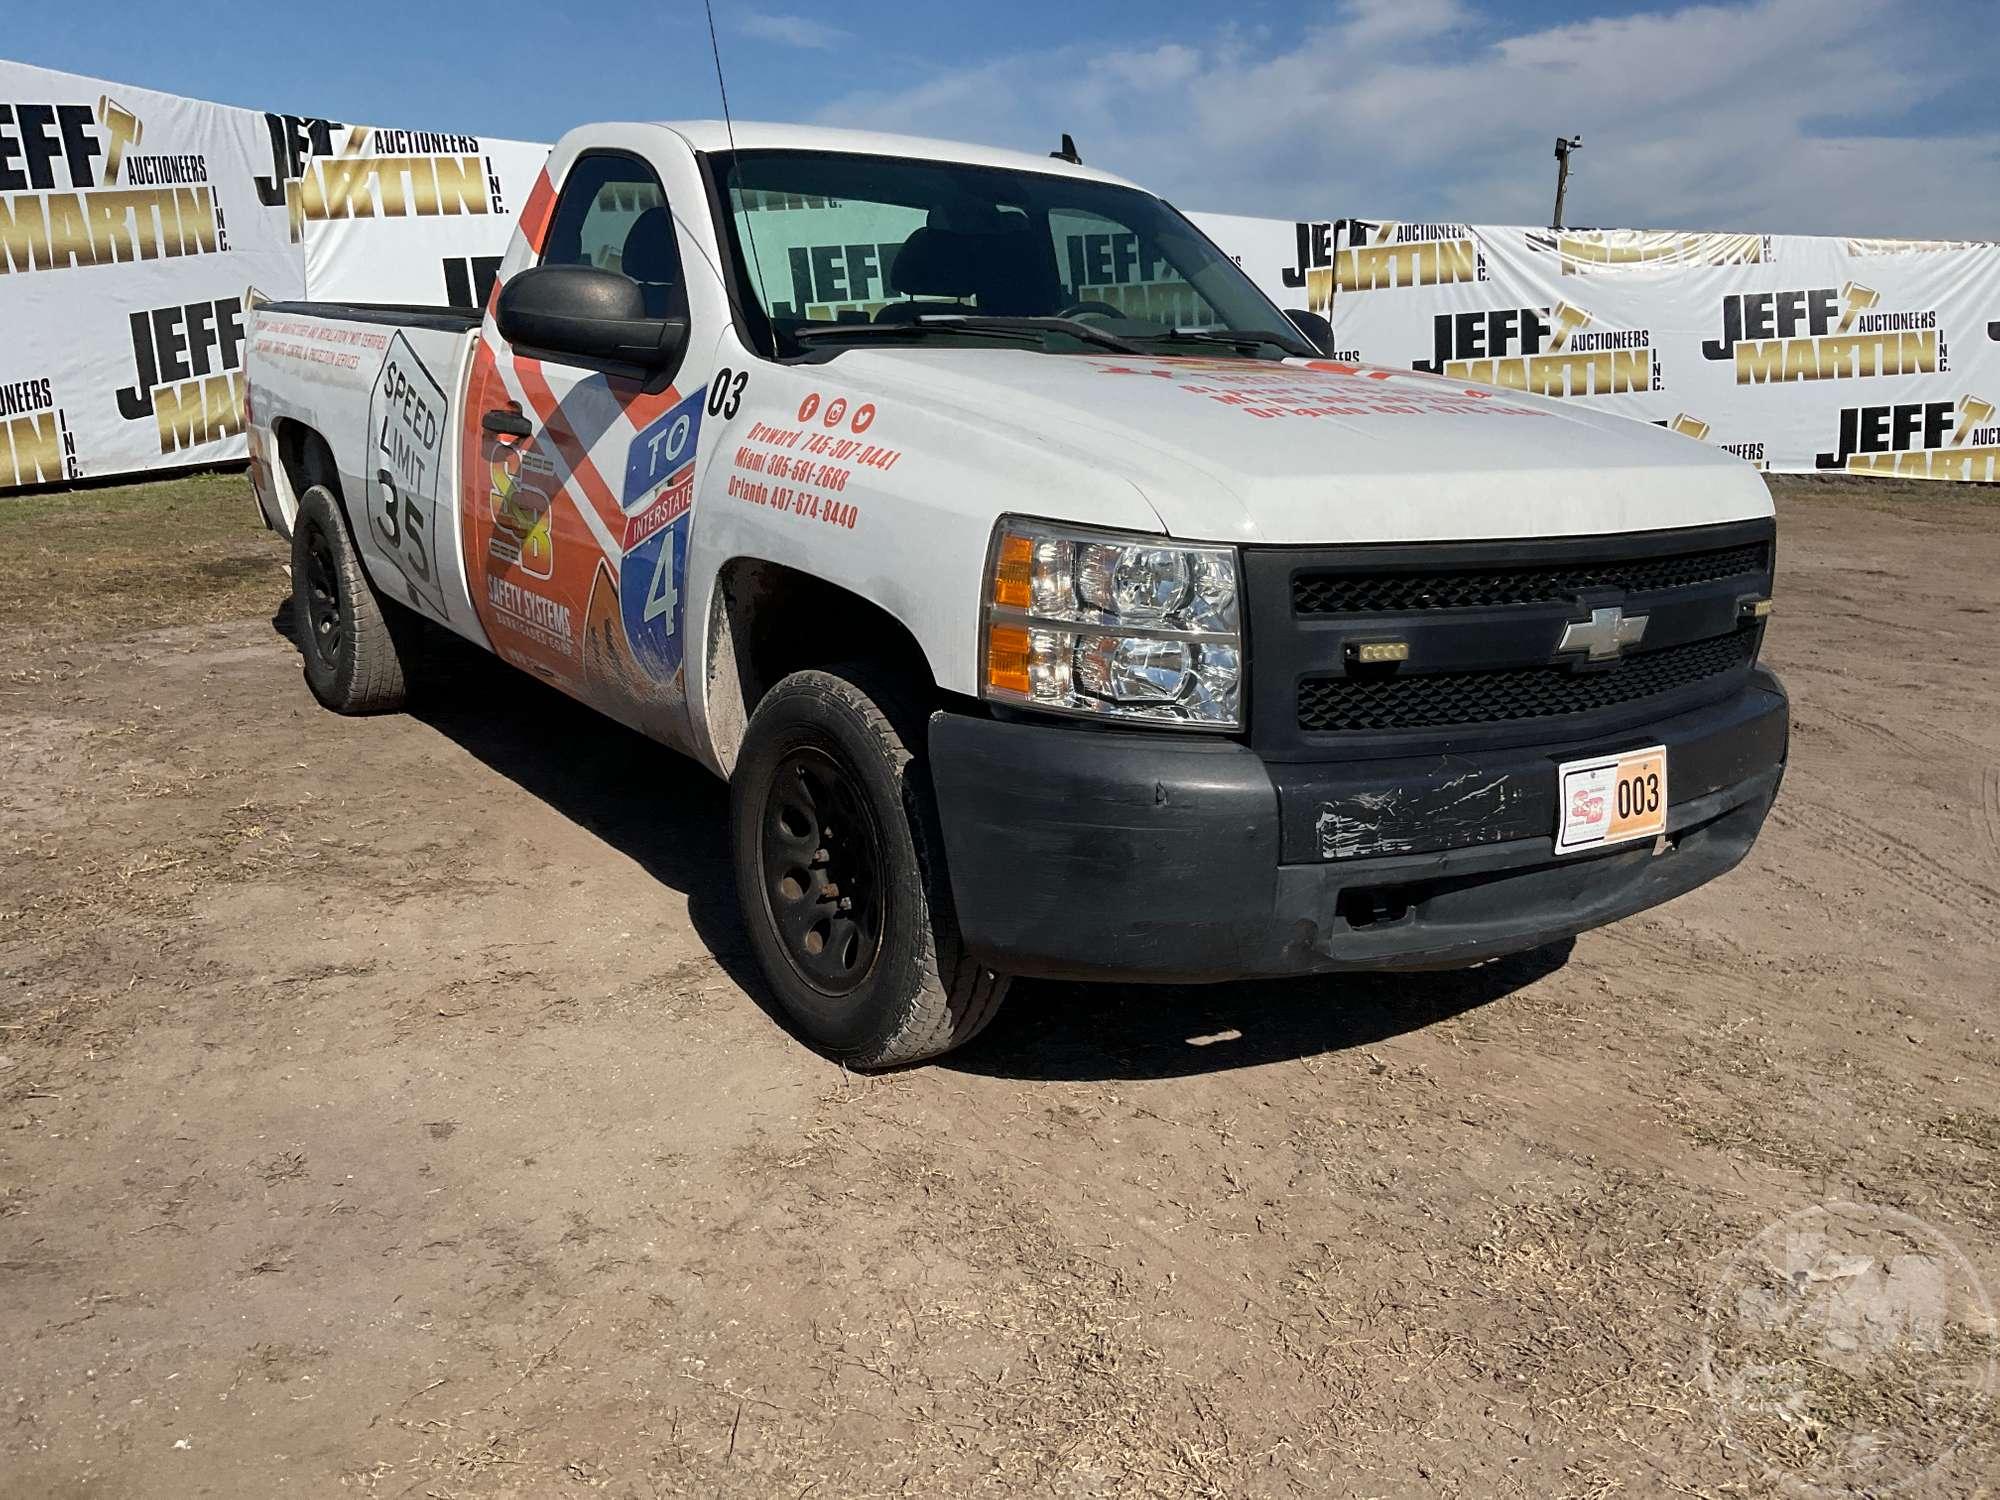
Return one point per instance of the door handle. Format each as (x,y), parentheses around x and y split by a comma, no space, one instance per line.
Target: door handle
(503,423)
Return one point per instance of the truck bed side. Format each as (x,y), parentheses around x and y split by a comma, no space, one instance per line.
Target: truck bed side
(368,399)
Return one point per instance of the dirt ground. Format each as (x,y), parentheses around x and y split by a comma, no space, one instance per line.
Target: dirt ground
(386,1106)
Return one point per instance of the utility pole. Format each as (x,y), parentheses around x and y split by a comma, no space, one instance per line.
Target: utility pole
(1564,145)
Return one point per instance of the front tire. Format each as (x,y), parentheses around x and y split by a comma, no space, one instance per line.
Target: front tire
(355,646)
(839,872)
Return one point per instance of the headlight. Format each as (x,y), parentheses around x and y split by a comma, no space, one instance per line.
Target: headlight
(1123,627)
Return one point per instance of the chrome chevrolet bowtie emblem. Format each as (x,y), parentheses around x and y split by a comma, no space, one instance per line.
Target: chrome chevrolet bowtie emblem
(1604,634)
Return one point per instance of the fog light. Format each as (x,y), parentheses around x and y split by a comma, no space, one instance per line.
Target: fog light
(1369,653)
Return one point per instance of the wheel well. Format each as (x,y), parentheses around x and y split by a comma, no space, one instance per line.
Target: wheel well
(306,460)
(768,621)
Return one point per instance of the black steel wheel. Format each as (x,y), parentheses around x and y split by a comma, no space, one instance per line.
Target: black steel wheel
(318,594)
(823,870)
(840,875)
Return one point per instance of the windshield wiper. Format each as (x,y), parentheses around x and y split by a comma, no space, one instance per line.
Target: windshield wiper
(977,325)
(1231,338)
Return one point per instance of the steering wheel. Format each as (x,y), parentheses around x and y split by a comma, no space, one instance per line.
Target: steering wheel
(1098,309)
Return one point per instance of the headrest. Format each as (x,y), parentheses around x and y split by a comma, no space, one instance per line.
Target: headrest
(649,253)
(936,263)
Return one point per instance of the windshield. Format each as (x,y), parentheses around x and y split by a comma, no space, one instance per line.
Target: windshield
(826,241)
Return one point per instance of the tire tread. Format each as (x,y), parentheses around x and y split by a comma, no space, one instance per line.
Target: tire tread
(373,677)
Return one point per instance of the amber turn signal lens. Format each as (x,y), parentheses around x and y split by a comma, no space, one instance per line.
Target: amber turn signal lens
(1013,576)
(1007,658)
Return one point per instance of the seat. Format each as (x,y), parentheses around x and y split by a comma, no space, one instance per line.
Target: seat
(932,265)
(651,258)
(997,268)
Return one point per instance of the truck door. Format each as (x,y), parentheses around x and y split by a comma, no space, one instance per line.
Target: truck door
(579,484)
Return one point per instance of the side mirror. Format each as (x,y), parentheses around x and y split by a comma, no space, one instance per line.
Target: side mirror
(1318,332)
(583,315)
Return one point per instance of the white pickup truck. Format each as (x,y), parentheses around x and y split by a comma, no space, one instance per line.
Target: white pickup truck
(1050,603)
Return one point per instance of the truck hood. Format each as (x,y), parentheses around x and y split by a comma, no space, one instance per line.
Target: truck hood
(1251,451)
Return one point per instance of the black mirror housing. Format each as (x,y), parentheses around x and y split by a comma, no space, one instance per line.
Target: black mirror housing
(1318,332)
(587,316)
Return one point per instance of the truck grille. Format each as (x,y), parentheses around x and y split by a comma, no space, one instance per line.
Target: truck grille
(1383,592)
(1480,624)
(1440,700)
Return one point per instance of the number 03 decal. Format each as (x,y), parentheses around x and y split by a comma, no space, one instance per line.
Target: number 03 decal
(725,392)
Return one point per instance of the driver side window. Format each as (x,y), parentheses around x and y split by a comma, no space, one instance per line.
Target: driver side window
(612,214)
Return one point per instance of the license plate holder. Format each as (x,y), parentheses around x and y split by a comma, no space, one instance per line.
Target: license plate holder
(1611,799)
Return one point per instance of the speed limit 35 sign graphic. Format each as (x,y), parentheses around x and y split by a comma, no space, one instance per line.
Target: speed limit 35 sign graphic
(406,424)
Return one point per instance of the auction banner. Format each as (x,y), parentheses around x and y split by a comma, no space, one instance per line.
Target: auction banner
(130,240)
(385,215)
(136,227)
(1795,353)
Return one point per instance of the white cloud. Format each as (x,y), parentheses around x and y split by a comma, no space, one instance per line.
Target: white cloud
(793,31)
(1368,23)
(1727,116)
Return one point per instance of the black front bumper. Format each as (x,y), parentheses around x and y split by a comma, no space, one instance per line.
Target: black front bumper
(1095,854)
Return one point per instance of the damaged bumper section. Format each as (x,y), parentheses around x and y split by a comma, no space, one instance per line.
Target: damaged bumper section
(1092,854)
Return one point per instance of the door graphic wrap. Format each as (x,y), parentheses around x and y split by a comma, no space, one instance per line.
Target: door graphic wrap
(582,585)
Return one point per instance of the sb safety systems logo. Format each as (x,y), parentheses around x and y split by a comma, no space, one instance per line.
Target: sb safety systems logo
(75,190)
(1549,351)
(1825,333)
(36,444)
(1381,255)
(1919,440)
(373,174)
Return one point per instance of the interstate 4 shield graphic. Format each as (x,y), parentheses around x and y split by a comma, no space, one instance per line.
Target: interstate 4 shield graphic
(652,581)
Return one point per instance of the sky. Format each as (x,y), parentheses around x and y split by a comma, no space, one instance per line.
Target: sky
(1873,117)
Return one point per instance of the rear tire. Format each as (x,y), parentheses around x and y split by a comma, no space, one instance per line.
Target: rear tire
(839,869)
(355,642)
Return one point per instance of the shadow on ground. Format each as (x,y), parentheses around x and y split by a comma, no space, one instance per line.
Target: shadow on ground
(672,818)
(1083,1032)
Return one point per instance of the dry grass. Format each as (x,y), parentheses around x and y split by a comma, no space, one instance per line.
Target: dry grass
(93,564)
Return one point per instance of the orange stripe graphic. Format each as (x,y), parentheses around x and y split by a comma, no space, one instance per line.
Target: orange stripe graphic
(535,386)
(536,212)
(640,407)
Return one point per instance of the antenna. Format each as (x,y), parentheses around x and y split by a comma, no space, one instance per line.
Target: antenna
(1564,145)
(715,50)
(729,125)
(1067,152)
